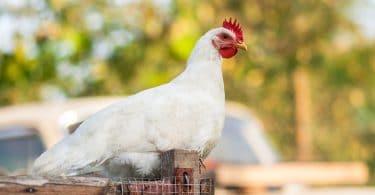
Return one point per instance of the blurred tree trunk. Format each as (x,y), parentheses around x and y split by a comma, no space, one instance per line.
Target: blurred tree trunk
(302,113)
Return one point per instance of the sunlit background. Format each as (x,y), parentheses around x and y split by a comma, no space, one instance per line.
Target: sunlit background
(308,75)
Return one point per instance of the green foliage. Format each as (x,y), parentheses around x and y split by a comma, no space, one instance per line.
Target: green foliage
(105,47)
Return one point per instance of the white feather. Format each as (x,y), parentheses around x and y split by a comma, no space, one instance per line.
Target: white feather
(125,139)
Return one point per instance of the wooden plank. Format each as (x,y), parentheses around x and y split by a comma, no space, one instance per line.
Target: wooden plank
(37,181)
(313,173)
(57,185)
(49,189)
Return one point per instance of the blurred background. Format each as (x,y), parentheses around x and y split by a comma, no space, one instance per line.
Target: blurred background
(306,84)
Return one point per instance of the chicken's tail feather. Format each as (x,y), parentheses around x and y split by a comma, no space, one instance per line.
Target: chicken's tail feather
(66,161)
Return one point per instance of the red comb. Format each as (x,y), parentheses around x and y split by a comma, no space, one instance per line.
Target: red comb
(233,26)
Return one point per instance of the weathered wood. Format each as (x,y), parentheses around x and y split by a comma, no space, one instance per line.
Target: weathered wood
(207,186)
(58,185)
(38,181)
(184,181)
(182,168)
(173,159)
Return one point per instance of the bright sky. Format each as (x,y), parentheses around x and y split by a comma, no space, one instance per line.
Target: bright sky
(363,13)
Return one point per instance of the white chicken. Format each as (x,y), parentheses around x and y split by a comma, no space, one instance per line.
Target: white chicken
(125,138)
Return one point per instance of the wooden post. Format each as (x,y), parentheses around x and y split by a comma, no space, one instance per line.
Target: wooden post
(302,114)
(181,167)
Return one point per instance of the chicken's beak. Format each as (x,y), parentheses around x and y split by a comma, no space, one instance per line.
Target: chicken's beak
(241,46)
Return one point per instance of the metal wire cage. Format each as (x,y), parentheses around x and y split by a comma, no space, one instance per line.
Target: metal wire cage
(185,184)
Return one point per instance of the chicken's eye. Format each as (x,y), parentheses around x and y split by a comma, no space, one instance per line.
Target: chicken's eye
(225,36)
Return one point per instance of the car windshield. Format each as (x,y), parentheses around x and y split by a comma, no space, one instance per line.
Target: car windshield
(19,147)
(243,142)
(232,147)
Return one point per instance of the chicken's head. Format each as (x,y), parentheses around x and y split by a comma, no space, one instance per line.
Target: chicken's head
(229,39)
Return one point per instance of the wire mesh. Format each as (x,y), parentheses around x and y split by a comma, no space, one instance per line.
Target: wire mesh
(167,185)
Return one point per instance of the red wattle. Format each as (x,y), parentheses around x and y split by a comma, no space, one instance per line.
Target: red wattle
(228,52)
